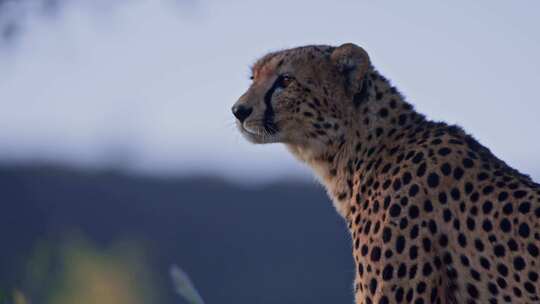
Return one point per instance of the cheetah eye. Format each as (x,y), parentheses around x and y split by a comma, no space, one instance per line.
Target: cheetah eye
(285,80)
(251,77)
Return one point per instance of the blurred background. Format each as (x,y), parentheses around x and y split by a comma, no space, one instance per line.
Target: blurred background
(119,157)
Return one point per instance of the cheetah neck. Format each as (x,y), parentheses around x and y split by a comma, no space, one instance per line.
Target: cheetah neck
(371,126)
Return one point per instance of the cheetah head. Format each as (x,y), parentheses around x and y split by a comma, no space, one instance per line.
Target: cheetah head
(302,96)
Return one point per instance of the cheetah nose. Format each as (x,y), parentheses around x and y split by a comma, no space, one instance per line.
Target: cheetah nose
(241,112)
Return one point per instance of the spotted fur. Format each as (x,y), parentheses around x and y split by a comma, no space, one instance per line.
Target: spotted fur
(434,216)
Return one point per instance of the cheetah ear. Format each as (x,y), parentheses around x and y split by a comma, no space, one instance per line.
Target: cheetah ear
(353,61)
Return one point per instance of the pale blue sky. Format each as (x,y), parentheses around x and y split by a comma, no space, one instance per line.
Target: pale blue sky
(149,84)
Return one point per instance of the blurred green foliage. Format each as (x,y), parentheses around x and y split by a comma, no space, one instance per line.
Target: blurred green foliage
(80,272)
(3,297)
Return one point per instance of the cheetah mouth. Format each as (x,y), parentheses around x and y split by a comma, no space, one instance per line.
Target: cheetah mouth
(257,135)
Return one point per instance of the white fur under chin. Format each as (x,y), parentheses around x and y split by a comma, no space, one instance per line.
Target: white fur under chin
(257,137)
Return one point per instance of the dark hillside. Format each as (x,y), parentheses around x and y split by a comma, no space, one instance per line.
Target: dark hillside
(279,243)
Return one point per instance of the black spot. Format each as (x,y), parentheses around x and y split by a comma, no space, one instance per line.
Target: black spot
(524,207)
(446,169)
(455,194)
(427,269)
(426,244)
(433,180)
(493,289)
(402,119)
(397,184)
(407,177)
(524,230)
(413,190)
(482,176)
(402,270)
(475,274)
(519,194)
(418,157)
(533,276)
(422,170)
(364,250)
(387,272)
(444,151)
(512,245)
(485,263)
(487,207)
(399,295)
(456,224)
(412,271)
(464,260)
(529,287)
(403,223)
(376,254)
(462,240)
(508,208)
(360,269)
(468,188)
(443,240)
(395,210)
(502,269)
(519,263)
(502,283)
(505,225)
(533,250)
(421,287)
(400,244)
(447,215)
(487,190)
(499,250)
(409,295)
(447,258)
(428,206)
(387,234)
(373,286)
(432,226)
(473,292)
(404,201)
(413,212)
(468,163)
(487,226)
(458,173)
(470,224)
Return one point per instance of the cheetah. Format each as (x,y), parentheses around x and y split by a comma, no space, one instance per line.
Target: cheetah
(434,216)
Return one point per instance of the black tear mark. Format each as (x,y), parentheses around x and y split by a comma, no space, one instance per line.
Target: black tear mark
(268,119)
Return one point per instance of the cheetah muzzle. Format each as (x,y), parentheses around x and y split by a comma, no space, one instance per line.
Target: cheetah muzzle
(434,216)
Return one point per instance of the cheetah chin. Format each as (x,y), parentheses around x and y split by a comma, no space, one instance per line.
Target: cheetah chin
(257,135)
